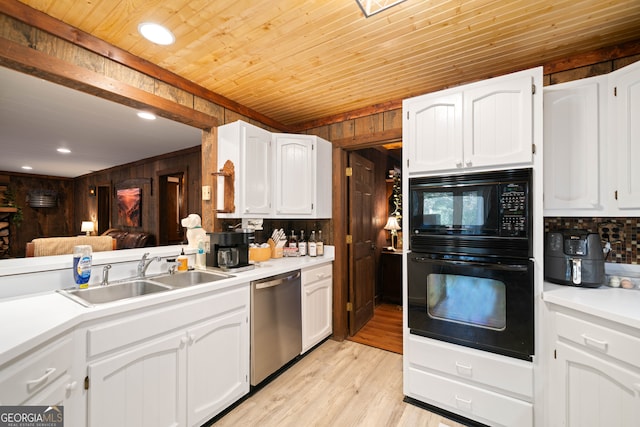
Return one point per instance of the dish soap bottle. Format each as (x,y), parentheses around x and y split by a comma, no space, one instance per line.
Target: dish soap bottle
(82,265)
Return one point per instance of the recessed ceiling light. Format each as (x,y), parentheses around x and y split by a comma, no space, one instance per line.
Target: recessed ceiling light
(146,115)
(63,150)
(156,33)
(28,168)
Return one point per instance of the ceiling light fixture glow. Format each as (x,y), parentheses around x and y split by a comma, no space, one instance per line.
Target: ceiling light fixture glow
(28,168)
(156,33)
(371,7)
(146,115)
(63,150)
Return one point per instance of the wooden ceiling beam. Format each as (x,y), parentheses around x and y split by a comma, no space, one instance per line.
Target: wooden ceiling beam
(35,18)
(27,60)
(368,140)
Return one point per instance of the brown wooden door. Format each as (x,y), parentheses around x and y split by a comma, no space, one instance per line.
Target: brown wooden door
(171,209)
(362,266)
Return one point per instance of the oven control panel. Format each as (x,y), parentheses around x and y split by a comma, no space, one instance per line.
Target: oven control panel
(514,209)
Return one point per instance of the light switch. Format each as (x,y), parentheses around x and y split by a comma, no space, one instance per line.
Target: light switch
(206,192)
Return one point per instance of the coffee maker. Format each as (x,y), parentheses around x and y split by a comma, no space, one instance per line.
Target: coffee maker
(230,249)
(574,257)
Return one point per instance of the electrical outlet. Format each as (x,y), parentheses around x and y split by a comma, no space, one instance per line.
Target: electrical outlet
(206,192)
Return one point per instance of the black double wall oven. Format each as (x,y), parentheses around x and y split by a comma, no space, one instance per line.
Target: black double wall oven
(470,265)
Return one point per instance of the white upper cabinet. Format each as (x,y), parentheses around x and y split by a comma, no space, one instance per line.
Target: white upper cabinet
(434,126)
(625,119)
(248,147)
(482,125)
(498,121)
(574,122)
(276,175)
(591,134)
(303,176)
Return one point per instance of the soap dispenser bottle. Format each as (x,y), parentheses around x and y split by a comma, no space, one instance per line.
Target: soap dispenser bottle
(183,261)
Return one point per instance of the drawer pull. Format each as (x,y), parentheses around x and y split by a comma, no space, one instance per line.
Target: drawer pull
(34,383)
(463,402)
(464,369)
(592,342)
(71,386)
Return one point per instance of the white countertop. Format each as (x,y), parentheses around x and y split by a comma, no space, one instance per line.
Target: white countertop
(615,304)
(32,320)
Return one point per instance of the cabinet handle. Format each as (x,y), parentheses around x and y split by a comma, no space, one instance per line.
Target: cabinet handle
(71,386)
(460,368)
(183,341)
(459,163)
(192,338)
(592,342)
(468,163)
(37,381)
(322,276)
(464,402)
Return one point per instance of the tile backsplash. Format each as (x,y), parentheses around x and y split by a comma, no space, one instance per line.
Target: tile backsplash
(621,233)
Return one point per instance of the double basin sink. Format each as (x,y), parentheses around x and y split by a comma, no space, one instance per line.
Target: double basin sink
(140,286)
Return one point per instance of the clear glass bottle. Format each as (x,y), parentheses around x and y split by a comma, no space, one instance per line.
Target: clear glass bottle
(312,248)
(302,244)
(293,241)
(320,244)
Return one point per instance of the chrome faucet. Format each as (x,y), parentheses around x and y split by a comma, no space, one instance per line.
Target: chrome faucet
(105,275)
(144,264)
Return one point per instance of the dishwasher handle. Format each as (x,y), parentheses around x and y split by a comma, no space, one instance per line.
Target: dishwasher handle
(278,281)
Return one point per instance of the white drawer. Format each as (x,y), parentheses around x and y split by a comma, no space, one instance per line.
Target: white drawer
(505,373)
(23,379)
(600,338)
(472,402)
(315,274)
(145,325)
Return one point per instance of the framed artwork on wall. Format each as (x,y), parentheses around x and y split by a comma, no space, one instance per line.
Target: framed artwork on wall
(129,202)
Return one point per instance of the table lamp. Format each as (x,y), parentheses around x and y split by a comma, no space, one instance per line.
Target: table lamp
(87,227)
(392,225)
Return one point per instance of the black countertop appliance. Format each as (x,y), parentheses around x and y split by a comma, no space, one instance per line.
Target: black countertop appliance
(230,249)
(574,257)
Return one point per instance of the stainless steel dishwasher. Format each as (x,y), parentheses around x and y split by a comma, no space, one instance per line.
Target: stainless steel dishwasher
(276,323)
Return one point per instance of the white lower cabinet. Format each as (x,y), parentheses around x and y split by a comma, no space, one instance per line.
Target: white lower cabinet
(176,366)
(317,305)
(143,386)
(594,378)
(42,378)
(491,389)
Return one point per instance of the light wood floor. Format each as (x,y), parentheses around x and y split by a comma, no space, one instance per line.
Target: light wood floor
(384,330)
(338,384)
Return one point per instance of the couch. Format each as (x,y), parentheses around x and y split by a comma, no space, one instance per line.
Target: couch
(64,245)
(129,239)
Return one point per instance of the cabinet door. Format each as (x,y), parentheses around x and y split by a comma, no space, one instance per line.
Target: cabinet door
(217,365)
(571,144)
(498,122)
(140,387)
(295,174)
(433,131)
(255,183)
(625,88)
(316,312)
(593,391)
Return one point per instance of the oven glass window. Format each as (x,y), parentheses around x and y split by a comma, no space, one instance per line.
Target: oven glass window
(458,208)
(474,301)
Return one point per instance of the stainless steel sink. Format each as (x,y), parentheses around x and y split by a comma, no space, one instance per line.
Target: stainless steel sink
(189,278)
(114,292)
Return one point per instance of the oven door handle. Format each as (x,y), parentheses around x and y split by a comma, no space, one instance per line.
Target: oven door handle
(505,267)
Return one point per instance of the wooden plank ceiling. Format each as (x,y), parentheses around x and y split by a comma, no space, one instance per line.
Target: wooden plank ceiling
(298,60)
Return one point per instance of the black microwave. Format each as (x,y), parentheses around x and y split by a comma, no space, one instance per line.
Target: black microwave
(485,213)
